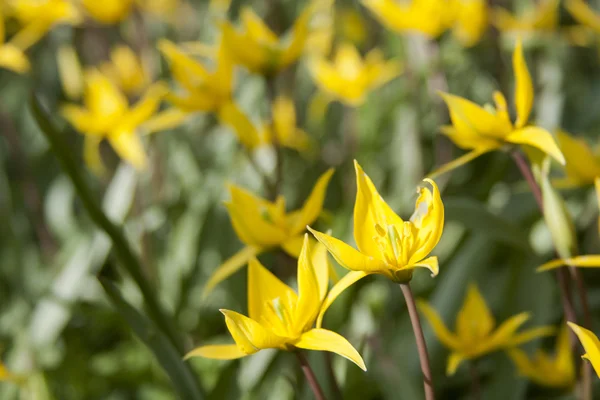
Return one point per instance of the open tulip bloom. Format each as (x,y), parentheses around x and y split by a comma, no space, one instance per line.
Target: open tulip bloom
(484,129)
(279,317)
(387,245)
(263,225)
(590,344)
(544,369)
(476,332)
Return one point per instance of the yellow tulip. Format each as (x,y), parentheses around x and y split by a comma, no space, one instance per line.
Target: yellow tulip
(482,130)
(542,16)
(126,70)
(39,16)
(263,225)
(108,11)
(475,335)
(584,14)
(259,49)
(387,245)
(590,344)
(280,318)
(210,91)
(471,21)
(429,17)
(349,78)
(284,127)
(547,370)
(107,115)
(11,56)
(583,163)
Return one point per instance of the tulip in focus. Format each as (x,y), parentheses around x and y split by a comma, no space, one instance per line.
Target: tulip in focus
(279,317)
(590,344)
(263,225)
(476,333)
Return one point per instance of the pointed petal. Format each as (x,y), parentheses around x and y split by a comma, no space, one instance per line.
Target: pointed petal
(460,161)
(229,267)
(264,288)
(325,340)
(475,320)
(439,328)
(430,263)
(217,352)
(293,246)
(144,108)
(244,49)
(129,147)
(523,363)
(230,114)
(348,280)
(81,119)
(454,360)
(13,58)
(583,13)
(428,218)
(249,335)
(165,120)
(538,138)
(582,165)
(91,154)
(370,210)
(322,266)
(313,205)
(309,300)
(523,86)
(347,256)
(299,35)
(590,344)
(503,336)
(587,261)
(531,334)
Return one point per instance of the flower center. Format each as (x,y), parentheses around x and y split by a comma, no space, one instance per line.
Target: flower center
(396,245)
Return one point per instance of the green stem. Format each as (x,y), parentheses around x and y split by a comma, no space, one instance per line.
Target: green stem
(121,246)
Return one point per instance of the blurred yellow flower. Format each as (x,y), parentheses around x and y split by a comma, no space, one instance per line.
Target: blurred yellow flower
(108,11)
(279,317)
(471,21)
(583,14)
(211,91)
(127,70)
(542,16)
(284,127)
(548,370)
(583,162)
(387,245)
(262,225)
(475,335)
(70,71)
(37,17)
(159,8)
(349,78)
(259,49)
(107,115)
(484,129)
(11,56)
(350,26)
(590,344)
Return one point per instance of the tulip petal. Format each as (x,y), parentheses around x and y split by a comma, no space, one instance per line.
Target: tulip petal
(145,107)
(244,49)
(590,344)
(322,266)
(13,58)
(217,352)
(313,205)
(349,257)
(428,218)
(91,154)
(503,336)
(165,120)
(587,261)
(299,35)
(309,300)
(583,13)
(430,263)
(439,328)
(293,246)
(475,320)
(81,119)
(460,161)
(523,86)
(230,114)
(249,335)
(523,363)
(129,147)
(531,334)
(229,267)
(348,280)
(454,360)
(538,138)
(325,340)
(582,165)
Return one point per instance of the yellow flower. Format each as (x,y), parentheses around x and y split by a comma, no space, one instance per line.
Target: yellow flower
(547,370)
(39,16)
(387,245)
(108,11)
(263,225)
(259,49)
(70,71)
(590,344)
(584,14)
(351,26)
(204,90)
(429,17)
(126,70)
(542,16)
(279,317)
(107,115)
(284,127)
(583,162)
(349,78)
(471,21)
(475,335)
(159,8)
(11,56)
(484,129)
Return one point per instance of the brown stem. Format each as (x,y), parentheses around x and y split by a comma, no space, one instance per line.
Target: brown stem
(475,383)
(335,388)
(528,175)
(420,339)
(310,376)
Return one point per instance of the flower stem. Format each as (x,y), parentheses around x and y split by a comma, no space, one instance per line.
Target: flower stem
(310,376)
(475,384)
(420,339)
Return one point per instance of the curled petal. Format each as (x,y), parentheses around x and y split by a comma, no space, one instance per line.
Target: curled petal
(325,340)
(217,352)
(523,86)
(538,138)
(430,263)
(588,261)
(348,280)
(428,218)
(249,335)
(590,344)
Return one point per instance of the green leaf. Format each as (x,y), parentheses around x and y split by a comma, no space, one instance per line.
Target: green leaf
(167,355)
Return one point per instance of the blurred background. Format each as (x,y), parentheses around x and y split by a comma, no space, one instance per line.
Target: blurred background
(56,324)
